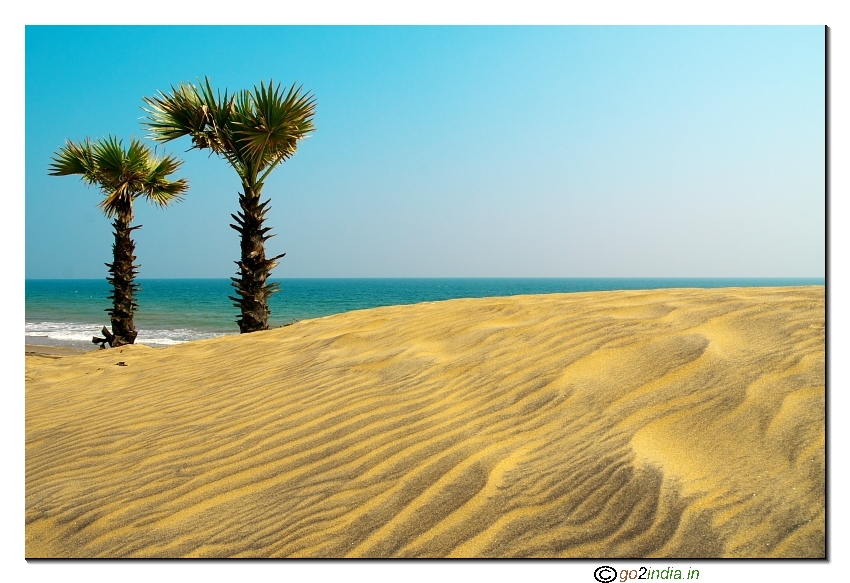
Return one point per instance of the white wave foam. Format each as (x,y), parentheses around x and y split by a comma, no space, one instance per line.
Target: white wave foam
(69,332)
(178,336)
(76,332)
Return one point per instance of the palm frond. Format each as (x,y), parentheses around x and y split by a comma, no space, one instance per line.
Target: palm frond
(75,158)
(274,123)
(122,174)
(201,113)
(117,201)
(111,160)
(158,188)
(160,167)
(252,130)
(165,192)
(174,115)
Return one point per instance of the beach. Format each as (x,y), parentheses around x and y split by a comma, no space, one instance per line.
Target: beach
(644,423)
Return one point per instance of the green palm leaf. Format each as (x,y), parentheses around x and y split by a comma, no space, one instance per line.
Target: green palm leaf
(178,114)
(75,158)
(273,124)
(252,130)
(159,190)
(122,174)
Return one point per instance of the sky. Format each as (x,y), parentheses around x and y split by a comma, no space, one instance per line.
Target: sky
(462,151)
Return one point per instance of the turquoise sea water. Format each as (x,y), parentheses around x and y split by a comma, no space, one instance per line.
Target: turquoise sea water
(68,312)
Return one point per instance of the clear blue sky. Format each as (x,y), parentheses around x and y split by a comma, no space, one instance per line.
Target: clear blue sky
(459,151)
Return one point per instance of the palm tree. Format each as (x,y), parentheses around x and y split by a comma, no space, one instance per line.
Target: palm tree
(122,175)
(253,131)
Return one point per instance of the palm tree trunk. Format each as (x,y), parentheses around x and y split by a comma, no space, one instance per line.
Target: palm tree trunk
(254,268)
(123,274)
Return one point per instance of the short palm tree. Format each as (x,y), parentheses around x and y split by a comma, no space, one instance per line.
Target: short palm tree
(122,175)
(253,131)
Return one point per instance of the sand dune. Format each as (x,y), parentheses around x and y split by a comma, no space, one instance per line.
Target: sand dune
(672,423)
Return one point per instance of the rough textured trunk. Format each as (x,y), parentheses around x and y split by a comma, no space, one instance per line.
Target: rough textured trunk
(254,268)
(122,276)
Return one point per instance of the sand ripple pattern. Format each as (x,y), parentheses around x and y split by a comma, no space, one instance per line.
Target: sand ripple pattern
(671,423)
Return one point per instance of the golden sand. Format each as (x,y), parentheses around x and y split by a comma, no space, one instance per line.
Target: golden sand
(672,423)
(51,351)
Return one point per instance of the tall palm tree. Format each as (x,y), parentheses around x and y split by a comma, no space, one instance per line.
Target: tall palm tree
(122,175)
(254,131)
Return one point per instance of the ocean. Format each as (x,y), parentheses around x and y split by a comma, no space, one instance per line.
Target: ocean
(68,312)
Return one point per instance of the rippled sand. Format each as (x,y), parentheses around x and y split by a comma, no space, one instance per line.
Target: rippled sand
(672,423)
